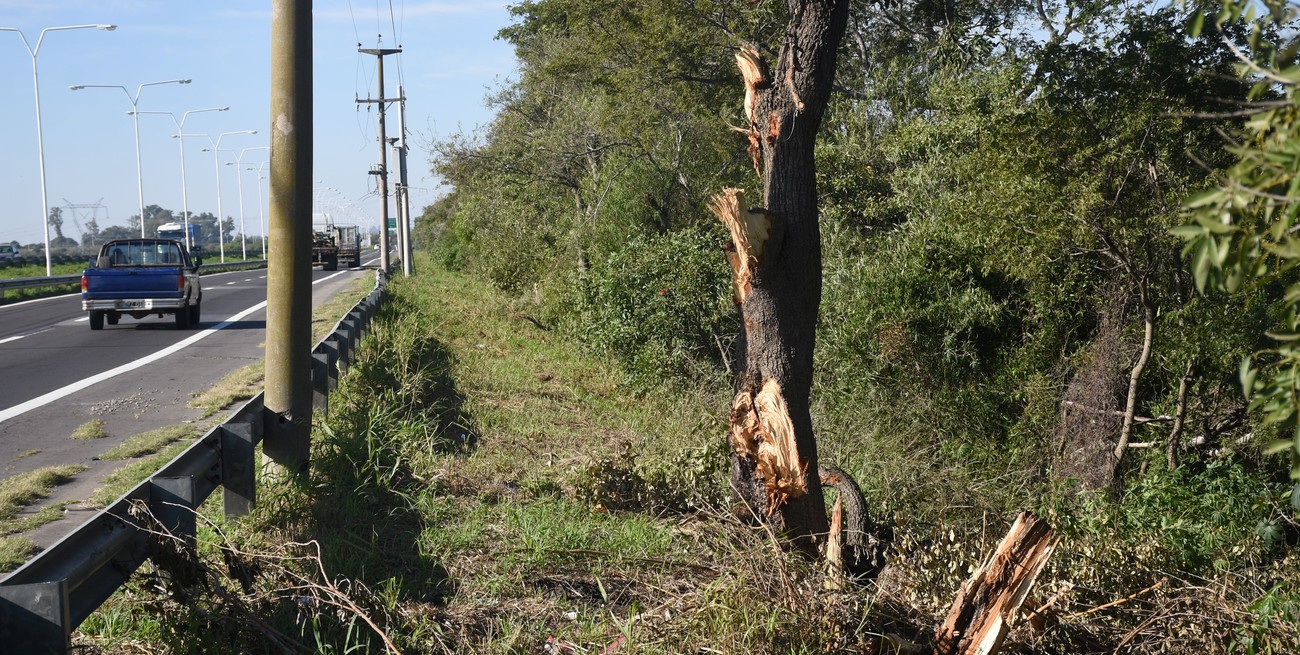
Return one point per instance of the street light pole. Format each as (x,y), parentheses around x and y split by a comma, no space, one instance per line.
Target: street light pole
(40,135)
(239,175)
(261,212)
(135,106)
(180,130)
(216,161)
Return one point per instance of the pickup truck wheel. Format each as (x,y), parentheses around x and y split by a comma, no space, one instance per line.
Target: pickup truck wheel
(194,314)
(183,318)
(96,319)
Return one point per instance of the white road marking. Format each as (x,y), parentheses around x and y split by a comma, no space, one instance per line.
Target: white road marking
(58,394)
(28,302)
(8,339)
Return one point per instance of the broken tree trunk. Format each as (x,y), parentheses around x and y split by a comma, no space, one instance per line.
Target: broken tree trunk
(776,259)
(986,606)
(855,546)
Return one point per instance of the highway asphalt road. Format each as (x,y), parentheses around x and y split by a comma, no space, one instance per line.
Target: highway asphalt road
(139,375)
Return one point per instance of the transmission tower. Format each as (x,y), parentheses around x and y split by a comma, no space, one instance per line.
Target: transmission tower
(79,211)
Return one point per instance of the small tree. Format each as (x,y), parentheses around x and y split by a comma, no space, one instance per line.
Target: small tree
(56,221)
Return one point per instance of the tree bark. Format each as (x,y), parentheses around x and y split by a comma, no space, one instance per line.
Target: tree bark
(777,261)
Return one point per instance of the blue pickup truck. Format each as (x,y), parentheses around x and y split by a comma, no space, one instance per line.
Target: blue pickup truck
(139,278)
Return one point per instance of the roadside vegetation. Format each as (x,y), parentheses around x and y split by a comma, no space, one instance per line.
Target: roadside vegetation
(148,443)
(18,493)
(480,484)
(92,429)
(529,455)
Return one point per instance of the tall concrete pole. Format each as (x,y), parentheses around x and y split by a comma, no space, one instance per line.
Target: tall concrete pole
(379,53)
(404,203)
(287,419)
(399,190)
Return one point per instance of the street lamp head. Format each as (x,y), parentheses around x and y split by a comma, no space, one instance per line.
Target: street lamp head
(183,81)
(106,28)
(76,88)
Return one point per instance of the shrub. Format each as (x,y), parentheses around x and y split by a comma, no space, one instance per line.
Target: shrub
(660,306)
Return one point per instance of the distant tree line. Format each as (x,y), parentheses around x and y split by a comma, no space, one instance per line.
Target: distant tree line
(92,234)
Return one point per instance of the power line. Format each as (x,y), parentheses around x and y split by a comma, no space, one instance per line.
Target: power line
(355,31)
(397,33)
(393,21)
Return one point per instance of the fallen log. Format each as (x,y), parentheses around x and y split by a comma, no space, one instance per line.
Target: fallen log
(985,609)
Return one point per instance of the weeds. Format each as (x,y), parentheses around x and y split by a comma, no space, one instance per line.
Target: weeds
(240,384)
(24,489)
(93,429)
(14,551)
(148,443)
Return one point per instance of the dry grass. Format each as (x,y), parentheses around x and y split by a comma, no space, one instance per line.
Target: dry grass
(239,385)
(148,443)
(21,490)
(92,429)
(14,551)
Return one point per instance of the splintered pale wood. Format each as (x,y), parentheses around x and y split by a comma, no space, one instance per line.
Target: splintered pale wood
(986,606)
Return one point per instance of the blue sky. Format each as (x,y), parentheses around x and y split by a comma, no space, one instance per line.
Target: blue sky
(450,60)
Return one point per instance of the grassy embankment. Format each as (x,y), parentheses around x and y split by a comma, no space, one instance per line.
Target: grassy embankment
(478,486)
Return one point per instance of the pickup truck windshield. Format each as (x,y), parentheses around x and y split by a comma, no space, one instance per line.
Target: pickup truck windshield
(144,253)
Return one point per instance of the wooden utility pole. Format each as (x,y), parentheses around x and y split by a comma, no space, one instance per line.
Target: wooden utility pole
(380,53)
(287,418)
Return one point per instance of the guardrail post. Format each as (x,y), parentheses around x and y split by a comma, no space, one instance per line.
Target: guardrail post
(172,501)
(34,618)
(346,338)
(320,373)
(358,321)
(238,468)
(331,348)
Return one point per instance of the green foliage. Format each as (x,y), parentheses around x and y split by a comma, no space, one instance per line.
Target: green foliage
(1241,235)
(660,305)
(691,480)
(1001,189)
(1267,632)
(1188,521)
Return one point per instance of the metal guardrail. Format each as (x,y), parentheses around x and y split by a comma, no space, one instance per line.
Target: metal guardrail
(42,602)
(17,283)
